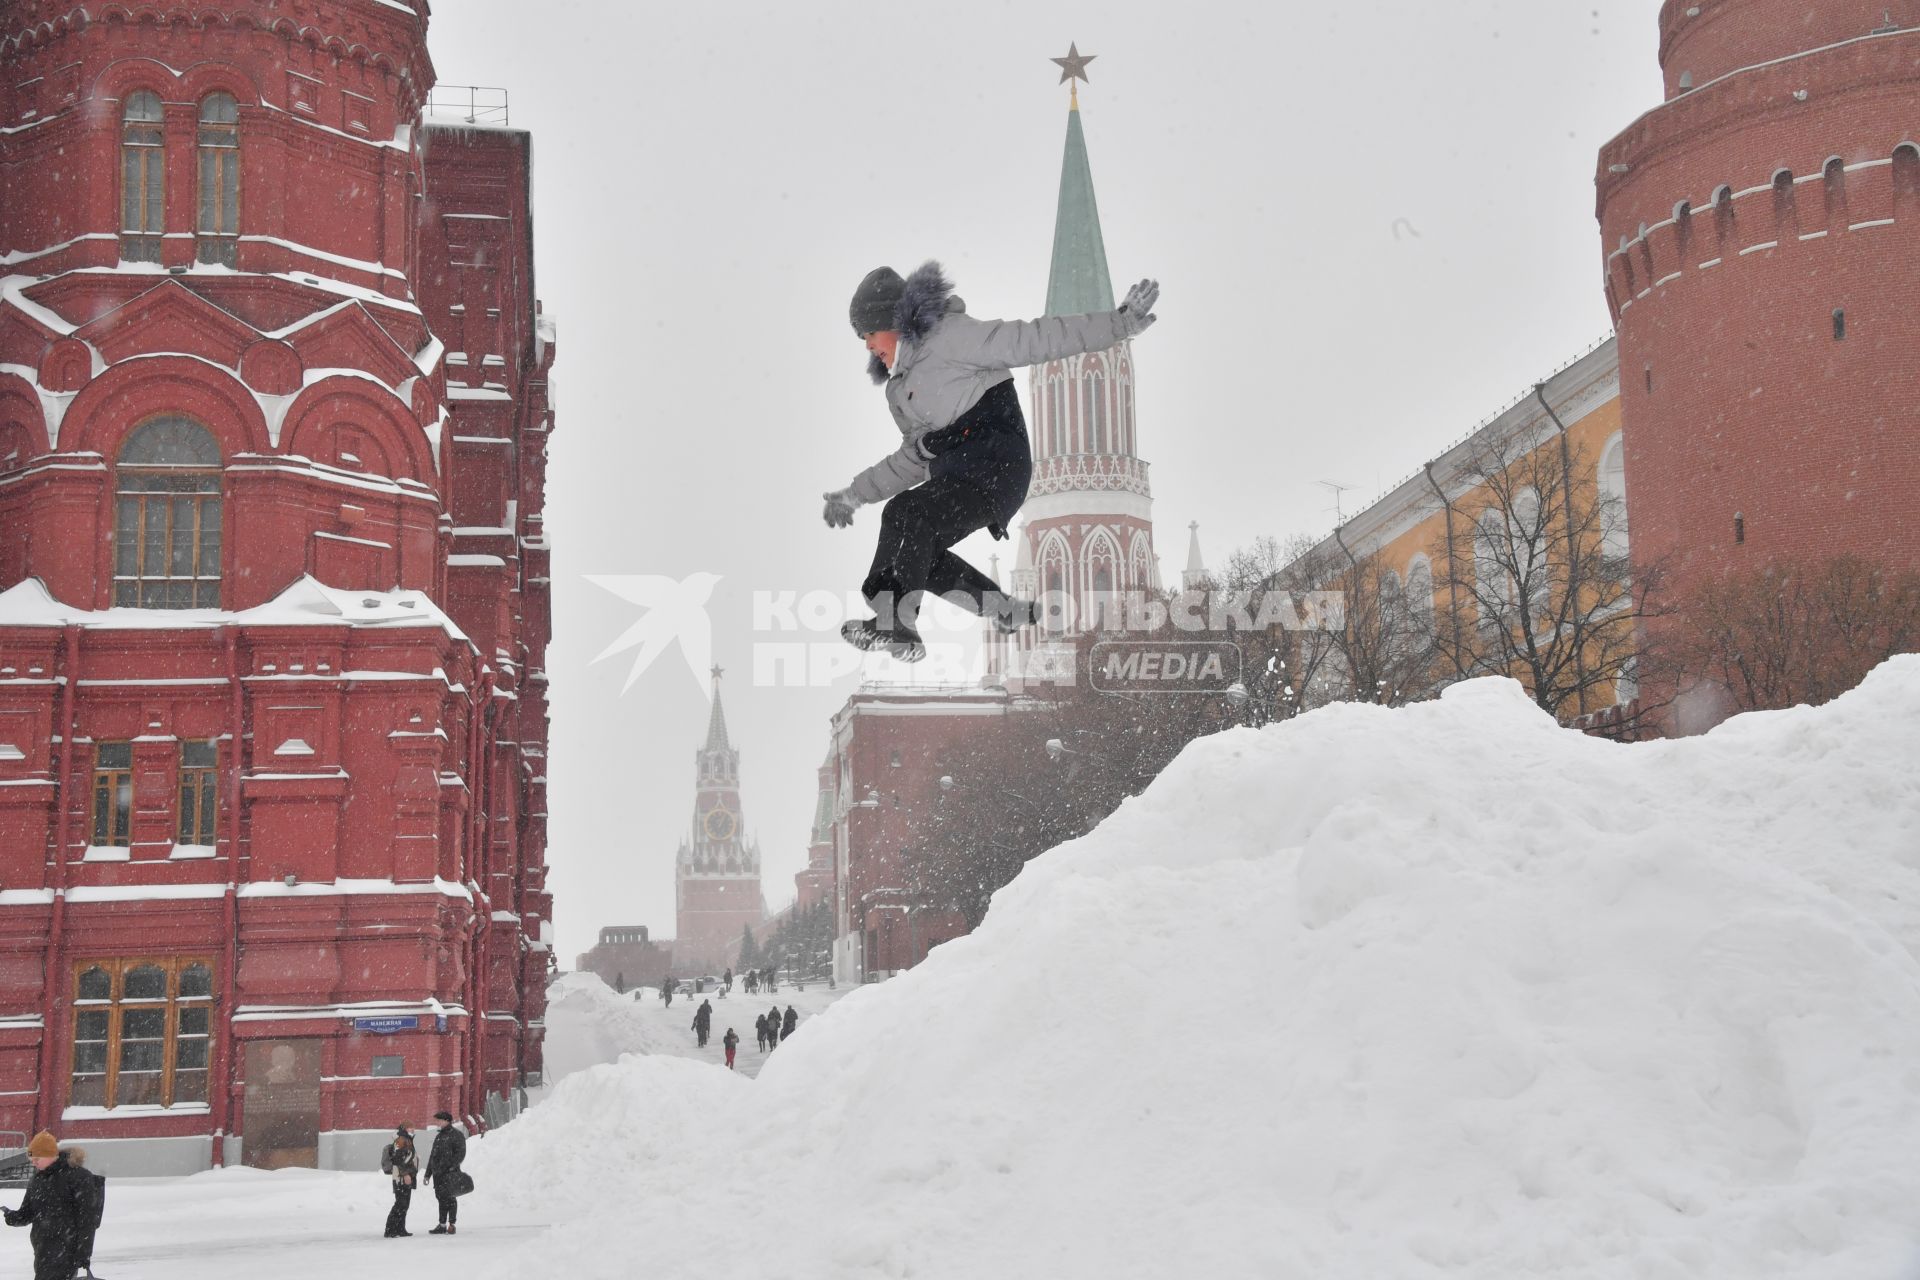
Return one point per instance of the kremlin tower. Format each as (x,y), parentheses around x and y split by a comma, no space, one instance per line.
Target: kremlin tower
(717,871)
(1086,540)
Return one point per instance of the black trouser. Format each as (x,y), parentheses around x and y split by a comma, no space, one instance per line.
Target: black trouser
(443,1194)
(55,1261)
(397,1219)
(916,529)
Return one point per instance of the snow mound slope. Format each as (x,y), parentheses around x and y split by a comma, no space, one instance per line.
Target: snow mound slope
(1445,991)
(589,1022)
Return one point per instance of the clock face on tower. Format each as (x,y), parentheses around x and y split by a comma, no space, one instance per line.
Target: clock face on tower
(718,824)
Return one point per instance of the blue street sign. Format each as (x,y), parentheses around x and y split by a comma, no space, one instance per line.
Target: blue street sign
(388,1025)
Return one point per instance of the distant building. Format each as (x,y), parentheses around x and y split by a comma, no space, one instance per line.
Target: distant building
(717,869)
(625,956)
(892,745)
(815,884)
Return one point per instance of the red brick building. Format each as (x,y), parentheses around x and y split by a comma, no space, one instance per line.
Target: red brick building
(1762,238)
(892,745)
(273,421)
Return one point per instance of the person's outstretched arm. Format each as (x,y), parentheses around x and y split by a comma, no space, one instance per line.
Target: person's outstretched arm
(1014,344)
(899,471)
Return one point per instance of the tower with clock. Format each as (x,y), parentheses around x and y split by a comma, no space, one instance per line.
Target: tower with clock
(717,870)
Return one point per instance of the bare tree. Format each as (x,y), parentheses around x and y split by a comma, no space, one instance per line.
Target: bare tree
(1536,569)
(1795,632)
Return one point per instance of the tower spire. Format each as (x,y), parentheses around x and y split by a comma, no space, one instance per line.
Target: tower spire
(1078,282)
(717,718)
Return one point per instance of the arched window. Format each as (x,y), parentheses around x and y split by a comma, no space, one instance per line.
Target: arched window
(1057,415)
(1528,539)
(143,183)
(1094,416)
(167,518)
(1493,584)
(219,224)
(1906,178)
(1786,218)
(1613,496)
(1420,594)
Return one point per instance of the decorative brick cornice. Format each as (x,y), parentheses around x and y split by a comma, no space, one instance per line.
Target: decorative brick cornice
(381,37)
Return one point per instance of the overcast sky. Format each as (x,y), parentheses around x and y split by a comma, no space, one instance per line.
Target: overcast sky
(1373,227)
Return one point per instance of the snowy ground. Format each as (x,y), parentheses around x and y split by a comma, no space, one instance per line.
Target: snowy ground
(1443,993)
(588,1023)
(296,1224)
(305,1225)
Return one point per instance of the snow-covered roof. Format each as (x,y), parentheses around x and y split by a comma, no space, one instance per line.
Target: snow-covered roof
(306,603)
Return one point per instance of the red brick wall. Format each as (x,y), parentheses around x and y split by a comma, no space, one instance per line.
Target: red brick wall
(1737,398)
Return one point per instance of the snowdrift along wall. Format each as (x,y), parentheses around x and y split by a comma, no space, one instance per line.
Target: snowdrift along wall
(1445,991)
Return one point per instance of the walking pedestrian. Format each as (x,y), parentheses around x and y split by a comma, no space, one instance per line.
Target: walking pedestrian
(732,1042)
(703,1021)
(57,1206)
(787,1025)
(773,1027)
(760,1031)
(443,1172)
(96,1187)
(402,1164)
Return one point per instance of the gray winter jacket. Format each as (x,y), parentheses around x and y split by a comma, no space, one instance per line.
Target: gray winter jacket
(948,360)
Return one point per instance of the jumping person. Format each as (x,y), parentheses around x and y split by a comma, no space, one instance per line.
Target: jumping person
(443,1172)
(964,460)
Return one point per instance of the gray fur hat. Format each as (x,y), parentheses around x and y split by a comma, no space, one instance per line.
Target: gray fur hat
(875,300)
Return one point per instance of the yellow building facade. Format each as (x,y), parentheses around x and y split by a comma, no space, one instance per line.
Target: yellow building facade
(1436,541)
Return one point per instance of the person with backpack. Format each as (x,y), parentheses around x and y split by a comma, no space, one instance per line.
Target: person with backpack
(96,1207)
(58,1206)
(732,1042)
(400,1162)
(443,1172)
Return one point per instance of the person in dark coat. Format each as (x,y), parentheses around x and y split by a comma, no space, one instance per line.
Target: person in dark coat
(964,460)
(401,1162)
(666,990)
(773,1027)
(58,1206)
(760,1031)
(732,1042)
(703,1022)
(787,1024)
(96,1205)
(443,1172)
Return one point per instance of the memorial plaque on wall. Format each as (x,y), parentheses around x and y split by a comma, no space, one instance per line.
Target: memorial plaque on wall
(282,1126)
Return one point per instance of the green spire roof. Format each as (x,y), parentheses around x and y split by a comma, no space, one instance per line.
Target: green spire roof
(717,720)
(1078,283)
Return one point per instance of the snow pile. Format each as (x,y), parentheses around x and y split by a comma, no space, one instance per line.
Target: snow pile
(1373,995)
(589,1022)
